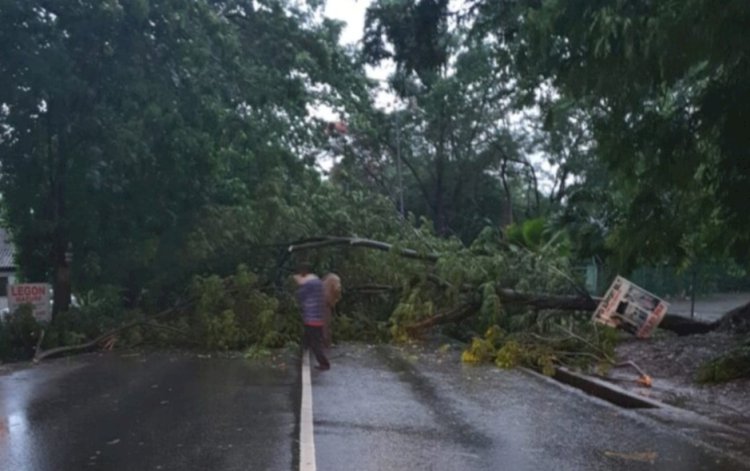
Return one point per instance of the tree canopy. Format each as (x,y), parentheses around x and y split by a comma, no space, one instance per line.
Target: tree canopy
(162,143)
(123,120)
(663,95)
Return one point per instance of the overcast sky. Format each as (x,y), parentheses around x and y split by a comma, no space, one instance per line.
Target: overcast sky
(353,13)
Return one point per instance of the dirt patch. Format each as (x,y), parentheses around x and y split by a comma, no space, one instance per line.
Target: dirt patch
(673,364)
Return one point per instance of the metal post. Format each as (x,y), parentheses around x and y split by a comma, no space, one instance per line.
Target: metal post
(692,295)
(398,167)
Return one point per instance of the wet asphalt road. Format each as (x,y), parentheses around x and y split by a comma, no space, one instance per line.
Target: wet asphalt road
(711,307)
(378,409)
(148,412)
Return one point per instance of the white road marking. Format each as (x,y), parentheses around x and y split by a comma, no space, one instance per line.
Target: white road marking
(306,437)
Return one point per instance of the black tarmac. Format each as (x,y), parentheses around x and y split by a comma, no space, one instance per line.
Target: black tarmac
(378,408)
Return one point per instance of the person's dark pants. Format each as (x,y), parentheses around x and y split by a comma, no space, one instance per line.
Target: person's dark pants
(313,339)
(327,334)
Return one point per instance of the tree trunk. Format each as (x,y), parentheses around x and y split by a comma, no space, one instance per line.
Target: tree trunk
(506,210)
(675,323)
(457,314)
(440,216)
(62,285)
(737,320)
(58,193)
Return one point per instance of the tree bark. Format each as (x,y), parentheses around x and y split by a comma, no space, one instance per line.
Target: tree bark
(547,301)
(440,216)
(673,322)
(58,194)
(62,285)
(454,315)
(506,209)
(681,325)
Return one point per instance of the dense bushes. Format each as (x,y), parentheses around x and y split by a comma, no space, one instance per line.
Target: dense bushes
(233,313)
(19,334)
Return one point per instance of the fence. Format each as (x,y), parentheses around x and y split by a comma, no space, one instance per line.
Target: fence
(669,281)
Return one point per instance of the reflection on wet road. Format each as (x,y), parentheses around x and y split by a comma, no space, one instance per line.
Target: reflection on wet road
(140,412)
(379,408)
(383,409)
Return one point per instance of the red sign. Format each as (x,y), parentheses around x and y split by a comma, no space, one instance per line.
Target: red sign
(631,308)
(36,294)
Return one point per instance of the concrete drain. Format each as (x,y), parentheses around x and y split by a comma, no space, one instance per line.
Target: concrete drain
(604,390)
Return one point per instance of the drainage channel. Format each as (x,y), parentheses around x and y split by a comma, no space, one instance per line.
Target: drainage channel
(603,390)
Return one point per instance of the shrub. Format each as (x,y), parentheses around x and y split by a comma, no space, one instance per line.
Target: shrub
(234,313)
(19,334)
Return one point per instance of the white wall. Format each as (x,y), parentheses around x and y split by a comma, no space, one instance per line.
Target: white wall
(4,299)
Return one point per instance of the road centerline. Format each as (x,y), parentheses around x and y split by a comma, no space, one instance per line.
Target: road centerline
(306,435)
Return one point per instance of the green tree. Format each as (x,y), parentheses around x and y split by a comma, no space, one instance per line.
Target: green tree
(464,163)
(664,98)
(123,120)
(107,138)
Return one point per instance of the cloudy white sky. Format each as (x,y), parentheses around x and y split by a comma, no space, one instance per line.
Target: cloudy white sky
(353,13)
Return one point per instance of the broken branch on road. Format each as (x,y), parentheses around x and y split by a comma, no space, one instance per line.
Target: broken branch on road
(108,336)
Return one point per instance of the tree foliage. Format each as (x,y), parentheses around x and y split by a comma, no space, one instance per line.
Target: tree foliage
(664,100)
(167,143)
(124,122)
(464,163)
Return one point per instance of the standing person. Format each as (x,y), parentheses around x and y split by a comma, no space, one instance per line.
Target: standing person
(311,301)
(332,295)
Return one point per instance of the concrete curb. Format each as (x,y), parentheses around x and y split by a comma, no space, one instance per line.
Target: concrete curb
(616,395)
(604,390)
(696,428)
(597,388)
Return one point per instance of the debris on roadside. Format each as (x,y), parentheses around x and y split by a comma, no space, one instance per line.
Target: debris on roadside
(643,378)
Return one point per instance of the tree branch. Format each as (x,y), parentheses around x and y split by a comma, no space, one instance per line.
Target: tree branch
(679,324)
(357,242)
(420,183)
(454,315)
(110,333)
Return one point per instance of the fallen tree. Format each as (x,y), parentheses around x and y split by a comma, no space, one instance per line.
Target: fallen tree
(234,312)
(737,320)
(465,305)
(108,336)
(673,322)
